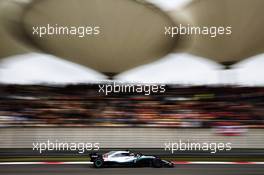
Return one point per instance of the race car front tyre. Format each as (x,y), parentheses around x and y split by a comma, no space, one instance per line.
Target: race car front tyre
(98,163)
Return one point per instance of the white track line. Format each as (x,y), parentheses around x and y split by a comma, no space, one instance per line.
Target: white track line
(44,163)
(220,163)
(89,163)
(73,163)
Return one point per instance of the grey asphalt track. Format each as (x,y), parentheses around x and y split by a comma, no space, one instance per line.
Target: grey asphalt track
(178,170)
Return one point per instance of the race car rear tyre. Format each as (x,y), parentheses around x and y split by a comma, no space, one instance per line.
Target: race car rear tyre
(98,163)
(156,163)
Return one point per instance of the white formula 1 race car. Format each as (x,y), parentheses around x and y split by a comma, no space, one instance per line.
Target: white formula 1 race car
(127,159)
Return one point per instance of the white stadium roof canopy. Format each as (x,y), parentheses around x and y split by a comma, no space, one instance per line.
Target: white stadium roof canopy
(184,69)
(168,5)
(249,72)
(35,68)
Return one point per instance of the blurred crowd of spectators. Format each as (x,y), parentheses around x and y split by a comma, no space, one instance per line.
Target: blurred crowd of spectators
(84,106)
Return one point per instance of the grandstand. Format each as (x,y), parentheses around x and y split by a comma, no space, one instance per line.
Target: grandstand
(83,106)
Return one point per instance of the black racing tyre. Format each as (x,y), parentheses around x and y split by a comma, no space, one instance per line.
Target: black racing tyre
(98,163)
(156,163)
